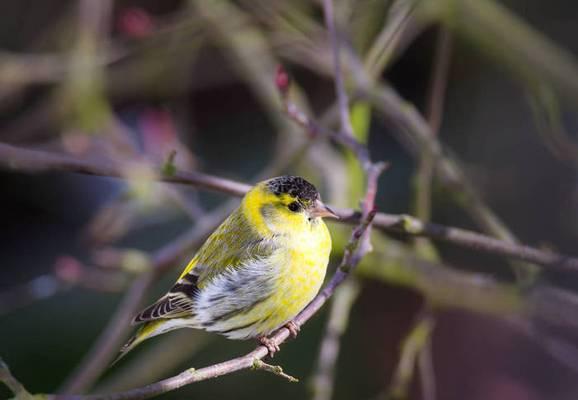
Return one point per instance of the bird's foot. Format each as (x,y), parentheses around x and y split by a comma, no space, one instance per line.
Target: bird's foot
(270,344)
(293,328)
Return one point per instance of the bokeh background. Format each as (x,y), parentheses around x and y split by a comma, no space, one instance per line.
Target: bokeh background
(132,81)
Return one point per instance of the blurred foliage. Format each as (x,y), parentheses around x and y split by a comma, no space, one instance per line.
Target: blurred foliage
(191,85)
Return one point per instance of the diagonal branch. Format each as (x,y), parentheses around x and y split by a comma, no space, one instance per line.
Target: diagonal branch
(12,383)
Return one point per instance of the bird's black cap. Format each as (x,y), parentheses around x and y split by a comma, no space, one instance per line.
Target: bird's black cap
(295,186)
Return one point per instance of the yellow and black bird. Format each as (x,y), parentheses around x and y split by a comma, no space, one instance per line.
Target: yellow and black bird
(255,272)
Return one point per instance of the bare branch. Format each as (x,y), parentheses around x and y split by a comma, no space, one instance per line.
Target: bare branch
(473,240)
(67,273)
(29,160)
(434,112)
(336,325)
(426,371)
(439,80)
(39,288)
(20,159)
(342,98)
(110,340)
(415,341)
(274,369)
(12,383)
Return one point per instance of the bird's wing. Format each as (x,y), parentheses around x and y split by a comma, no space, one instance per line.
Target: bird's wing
(234,244)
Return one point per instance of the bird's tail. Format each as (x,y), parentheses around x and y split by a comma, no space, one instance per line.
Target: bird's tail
(149,330)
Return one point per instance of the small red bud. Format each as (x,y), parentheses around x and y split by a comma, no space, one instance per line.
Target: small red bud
(135,22)
(68,268)
(282,80)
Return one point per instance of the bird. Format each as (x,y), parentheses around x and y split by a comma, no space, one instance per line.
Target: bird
(263,264)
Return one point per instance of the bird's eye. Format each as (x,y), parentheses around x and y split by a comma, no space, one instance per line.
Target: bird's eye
(294,206)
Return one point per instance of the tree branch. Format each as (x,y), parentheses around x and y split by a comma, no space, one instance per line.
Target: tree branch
(12,383)
(416,340)
(323,378)
(274,369)
(342,98)
(21,159)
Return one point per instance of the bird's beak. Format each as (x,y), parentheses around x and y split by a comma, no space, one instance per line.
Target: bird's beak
(321,210)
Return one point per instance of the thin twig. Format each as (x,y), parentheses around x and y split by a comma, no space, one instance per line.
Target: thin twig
(342,98)
(345,135)
(342,302)
(12,383)
(274,369)
(39,288)
(110,340)
(27,160)
(152,363)
(426,370)
(67,274)
(416,339)
(434,112)
(397,33)
(439,80)
(473,240)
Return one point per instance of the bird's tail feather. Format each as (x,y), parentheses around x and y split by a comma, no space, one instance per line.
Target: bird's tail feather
(152,329)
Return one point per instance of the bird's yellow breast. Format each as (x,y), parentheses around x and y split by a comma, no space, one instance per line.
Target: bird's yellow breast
(302,259)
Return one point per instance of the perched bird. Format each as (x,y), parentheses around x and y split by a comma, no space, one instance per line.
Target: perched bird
(255,272)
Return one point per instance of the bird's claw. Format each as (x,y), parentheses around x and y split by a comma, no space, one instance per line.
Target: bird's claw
(293,328)
(270,344)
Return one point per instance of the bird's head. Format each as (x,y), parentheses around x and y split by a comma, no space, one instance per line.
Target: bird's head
(285,203)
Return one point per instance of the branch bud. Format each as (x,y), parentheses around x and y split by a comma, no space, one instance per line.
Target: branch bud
(282,80)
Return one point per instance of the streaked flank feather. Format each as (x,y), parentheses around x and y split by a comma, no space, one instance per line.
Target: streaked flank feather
(255,273)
